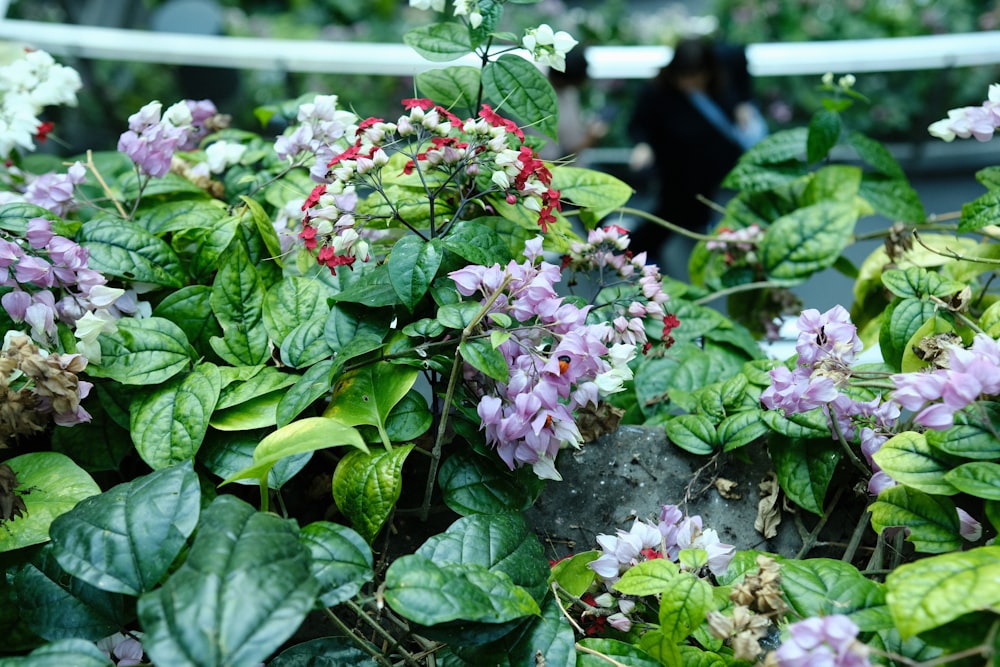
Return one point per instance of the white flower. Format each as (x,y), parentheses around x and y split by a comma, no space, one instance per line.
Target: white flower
(548,47)
(222,154)
(88,328)
(500,178)
(436,5)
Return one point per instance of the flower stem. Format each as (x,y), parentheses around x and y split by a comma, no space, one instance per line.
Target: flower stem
(362,644)
(383,633)
(735,289)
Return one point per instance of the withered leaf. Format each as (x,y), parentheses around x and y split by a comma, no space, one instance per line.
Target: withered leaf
(768,509)
(595,422)
(11,504)
(727,488)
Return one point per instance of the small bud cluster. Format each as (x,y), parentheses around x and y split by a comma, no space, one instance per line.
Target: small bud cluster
(37,387)
(458,162)
(557,362)
(27,86)
(548,47)
(738,246)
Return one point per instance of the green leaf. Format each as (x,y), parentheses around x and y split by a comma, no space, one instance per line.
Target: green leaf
(903,319)
(181,214)
(366,487)
(76,652)
(622,652)
(807,240)
(238,303)
(125,539)
(244,589)
(341,560)
(574,574)
(265,229)
(488,360)
(908,459)
(413,263)
(650,577)
(226,453)
(306,344)
(304,435)
(169,424)
(97,445)
(367,394)
(427,593)
(354,330)
(123,249)
(822,586)
(932,520)
(811,424)
(290,303)
(932,591)
(979,478)
(683,605)
(980,212)
(190,309)
(409,419)
(591,189)
(779,147)
(876,154)
(473,484)
(455,87)
(252,382)
(971,437)
(325,652)
(258,412)
(202,248)
(50,484)
(520,90)
(312,385)
(477,243)
(741,429)
(692,433)
(824,132)
(439,42)
(550,636)
(458,315)
(147,351)
(805,468)
(497,542)
(893,198)
(373,288)
(918,282)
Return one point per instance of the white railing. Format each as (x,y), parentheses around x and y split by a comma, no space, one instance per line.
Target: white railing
(605,62)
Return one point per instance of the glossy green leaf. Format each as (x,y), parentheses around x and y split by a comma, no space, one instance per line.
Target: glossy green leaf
(306,344)
(290,303)
(980,212)
(807,240)
(354,330)
(488,360)
(477,243)
(309,388)
(893,198)
(191,310)
(373,288)
(824,131)
(226,453)
(252,382)
(455,87)
(366,487)
(325,652)
(169,424)
(427,593)
(439,42)
(265,229)
(822,586)
(304,435)
(97,445)
(930,592)
(238,303)
(125,539)
(257,412)
(167,184)
(805,468)
(692,433)
(521,91)
(244,589)
(367,394)
(76,652)
(180,214)
(413,264)
(798,426)
(741,429)
(932,520)
(875,154)
(979,478)
(458,315)
(341,560)
(593,652)
(473,484)
(574,574)
(203,248)
(50,485)
(409,419)
(497,542)
(591,189)
(146,351)
(123,249)
(908,459)
(779,147)
(650,577)
(683,605)
(57,606)
(918,282)
(903,319)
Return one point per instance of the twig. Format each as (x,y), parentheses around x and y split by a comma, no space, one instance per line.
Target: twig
(810,540)
(362,644)
(859,530)
(383,633)
(951,254)
(851,456)
(663,223)
(735,289)
(104,186)
(555,593)
(600,655)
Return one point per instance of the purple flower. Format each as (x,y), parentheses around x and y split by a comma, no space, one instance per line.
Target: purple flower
(969,528)
(830,641)
(797,391)
(34,270)
(39,232)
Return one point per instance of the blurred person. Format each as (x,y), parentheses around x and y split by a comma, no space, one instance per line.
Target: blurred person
(690,125)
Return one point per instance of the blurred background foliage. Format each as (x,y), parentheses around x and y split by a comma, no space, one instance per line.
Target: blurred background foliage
(903,103)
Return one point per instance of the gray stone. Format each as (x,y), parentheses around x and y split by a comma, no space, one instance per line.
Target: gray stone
(632,472)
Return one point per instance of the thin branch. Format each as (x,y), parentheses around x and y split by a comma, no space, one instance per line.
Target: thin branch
(951,254)
(383,633)
(851,456)
(104,186)
(736,289)
(810,540)
(606,658)
(362,644)
(664,223)
(555,592)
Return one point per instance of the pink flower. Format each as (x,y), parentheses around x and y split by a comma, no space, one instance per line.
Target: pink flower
(830,641)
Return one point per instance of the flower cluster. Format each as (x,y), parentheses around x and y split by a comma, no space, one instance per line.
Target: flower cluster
(665,539)
(557,362)
(154,135)
(756,600)
(457,162)
(321,125)
(970,374)
(36,387)
(979,122)
(548,47)
(52,191)
(606,254)
(736,245)
(27,86)
(827,346)
(830,641)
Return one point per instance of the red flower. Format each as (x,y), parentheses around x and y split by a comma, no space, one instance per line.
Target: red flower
(44,128)
(314,196)
(308,234)
(496,120)
(349,154)
(417,103)
(670,322)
